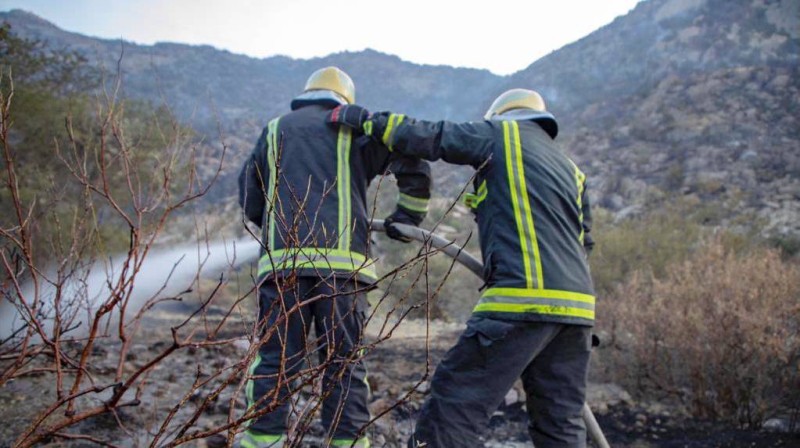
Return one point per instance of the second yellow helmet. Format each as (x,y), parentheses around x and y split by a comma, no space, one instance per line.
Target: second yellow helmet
(333,79)
(523,104)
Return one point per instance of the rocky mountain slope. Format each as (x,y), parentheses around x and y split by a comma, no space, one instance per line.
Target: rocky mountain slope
(697,98)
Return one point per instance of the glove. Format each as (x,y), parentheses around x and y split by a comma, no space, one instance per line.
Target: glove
(403,217)
(348,115)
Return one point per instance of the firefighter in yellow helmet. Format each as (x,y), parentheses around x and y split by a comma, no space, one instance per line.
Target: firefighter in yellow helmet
(305,185)
(534,317)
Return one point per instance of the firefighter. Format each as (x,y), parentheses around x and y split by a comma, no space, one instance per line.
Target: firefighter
(534,317)
(305,185)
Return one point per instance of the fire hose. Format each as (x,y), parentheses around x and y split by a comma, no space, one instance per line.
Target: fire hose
(473,264)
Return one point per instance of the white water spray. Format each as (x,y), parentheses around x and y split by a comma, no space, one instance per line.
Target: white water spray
(164,273)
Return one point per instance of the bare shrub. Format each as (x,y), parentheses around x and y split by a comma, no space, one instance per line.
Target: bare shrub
(67,294)
(719,330)
(103,369)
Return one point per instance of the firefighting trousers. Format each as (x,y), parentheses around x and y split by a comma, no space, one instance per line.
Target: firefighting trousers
(472,380)
(287,312)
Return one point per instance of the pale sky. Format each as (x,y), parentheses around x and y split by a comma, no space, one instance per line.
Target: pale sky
(501,36)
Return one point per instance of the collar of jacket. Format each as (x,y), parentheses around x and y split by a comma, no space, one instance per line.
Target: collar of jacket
(544,119)
(320,97)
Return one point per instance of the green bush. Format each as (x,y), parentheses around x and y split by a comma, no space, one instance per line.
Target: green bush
(650,242)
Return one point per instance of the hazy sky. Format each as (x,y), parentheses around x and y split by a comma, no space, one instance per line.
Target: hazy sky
(501,36)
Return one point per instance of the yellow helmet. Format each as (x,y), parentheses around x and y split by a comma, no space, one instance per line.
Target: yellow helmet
(522,104)
(332,79)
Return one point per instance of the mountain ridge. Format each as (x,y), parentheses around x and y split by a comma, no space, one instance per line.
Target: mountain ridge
(678,98)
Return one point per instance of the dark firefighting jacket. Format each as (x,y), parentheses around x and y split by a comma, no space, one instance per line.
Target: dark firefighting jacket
(531,208)
(305,185)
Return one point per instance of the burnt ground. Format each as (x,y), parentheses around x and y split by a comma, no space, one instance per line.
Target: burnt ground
(624,422)
(398,378)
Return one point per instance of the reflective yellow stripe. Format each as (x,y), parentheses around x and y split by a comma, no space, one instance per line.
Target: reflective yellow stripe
(549,310)
(257,440)
(412,203)
(272,151)
(512,185)
(474,200)
(539,301)
(394,120)
(343,187)
(580,182)
(526,204)
(360,443)
(522,210)
(316,258)
(543,293)
(251,382)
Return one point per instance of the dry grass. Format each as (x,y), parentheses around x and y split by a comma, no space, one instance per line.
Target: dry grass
(720,330)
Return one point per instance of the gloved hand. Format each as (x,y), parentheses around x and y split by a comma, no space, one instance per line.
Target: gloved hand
(403,217)
(349,115)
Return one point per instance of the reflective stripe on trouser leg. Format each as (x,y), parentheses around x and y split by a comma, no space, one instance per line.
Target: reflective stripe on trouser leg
(252,440)
(474,377)
(555,383)
(360,443)
(340,322)
(281,356)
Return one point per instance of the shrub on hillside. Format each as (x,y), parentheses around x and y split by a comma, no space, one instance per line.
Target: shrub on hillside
(652,242)
(719,330)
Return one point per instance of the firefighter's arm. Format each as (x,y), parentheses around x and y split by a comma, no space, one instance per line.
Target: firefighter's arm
(414,188)
(458,143)
(252,182)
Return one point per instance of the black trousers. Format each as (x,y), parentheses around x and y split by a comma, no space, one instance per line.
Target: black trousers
(338,313)
(475,375)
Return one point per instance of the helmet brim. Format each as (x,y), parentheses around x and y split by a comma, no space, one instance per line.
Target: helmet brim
(545,119)
(317,97)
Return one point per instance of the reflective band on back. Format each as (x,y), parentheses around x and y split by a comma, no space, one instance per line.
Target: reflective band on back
(521,204)
(316,258)
(272,151)
(539,301)
(412,203)
(343,187)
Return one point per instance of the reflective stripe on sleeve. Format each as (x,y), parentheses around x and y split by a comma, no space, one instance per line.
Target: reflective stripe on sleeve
(413,203)
(394,121)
